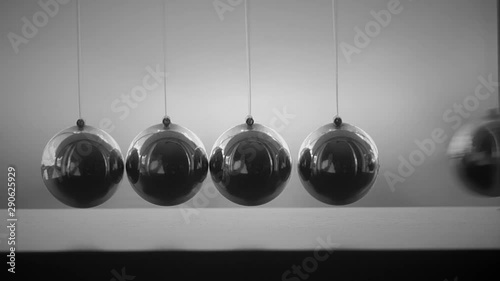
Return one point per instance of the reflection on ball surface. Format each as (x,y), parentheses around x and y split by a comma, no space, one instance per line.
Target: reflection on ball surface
(250,164)
(82,167)
(166,165)
(338,164)
(475,155)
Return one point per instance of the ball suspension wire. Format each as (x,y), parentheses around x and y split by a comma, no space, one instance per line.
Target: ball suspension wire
(337,120)
(166,118)
(80,123)
(249,120)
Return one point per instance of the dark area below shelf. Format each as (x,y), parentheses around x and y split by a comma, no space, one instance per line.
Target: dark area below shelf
(259,265)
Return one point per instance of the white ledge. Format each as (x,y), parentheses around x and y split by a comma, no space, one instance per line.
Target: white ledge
(159,229)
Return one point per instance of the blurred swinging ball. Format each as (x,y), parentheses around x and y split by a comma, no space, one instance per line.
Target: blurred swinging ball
(474,152)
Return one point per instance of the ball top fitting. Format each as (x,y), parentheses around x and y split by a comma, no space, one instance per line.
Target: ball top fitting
(337,121)
(250,121)
(80,123)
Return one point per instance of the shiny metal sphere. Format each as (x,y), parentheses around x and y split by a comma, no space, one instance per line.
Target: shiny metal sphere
(82,166)
(338,163)
(250,164)
(166,164)
(474,152)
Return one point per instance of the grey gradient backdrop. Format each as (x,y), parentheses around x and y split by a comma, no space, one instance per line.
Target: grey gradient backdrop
(397,89)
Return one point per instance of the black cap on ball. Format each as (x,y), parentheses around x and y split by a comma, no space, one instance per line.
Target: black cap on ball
(250,121)
(80,123)
(337,121)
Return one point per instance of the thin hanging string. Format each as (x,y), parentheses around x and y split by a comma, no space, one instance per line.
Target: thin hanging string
(334,21)
(164,43)
(498,49)
(248,61)
(79,57)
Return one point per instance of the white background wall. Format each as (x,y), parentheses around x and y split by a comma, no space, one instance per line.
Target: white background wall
(428,58)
